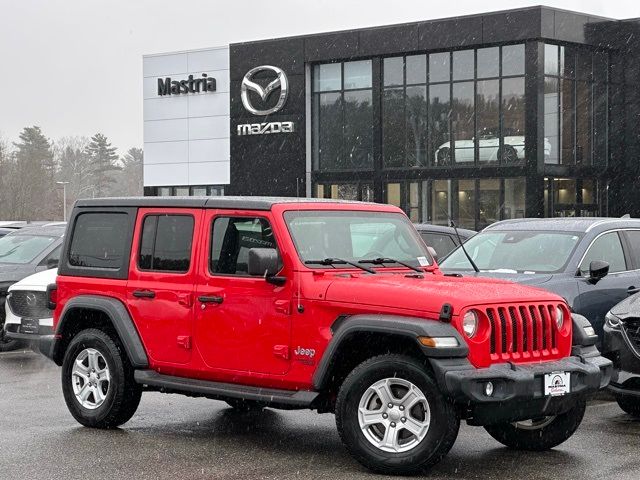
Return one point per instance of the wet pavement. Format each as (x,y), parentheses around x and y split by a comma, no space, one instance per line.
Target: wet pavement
(175,437)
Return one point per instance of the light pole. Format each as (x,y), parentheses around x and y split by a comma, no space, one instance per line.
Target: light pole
(64,199)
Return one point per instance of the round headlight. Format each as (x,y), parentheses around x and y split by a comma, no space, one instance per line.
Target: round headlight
(559,317)
(470,323)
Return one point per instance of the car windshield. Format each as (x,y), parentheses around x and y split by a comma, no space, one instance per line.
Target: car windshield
(23,248)
(355,236)
(515,252)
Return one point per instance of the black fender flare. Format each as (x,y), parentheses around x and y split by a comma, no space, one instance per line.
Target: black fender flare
(120,319)
(409,327)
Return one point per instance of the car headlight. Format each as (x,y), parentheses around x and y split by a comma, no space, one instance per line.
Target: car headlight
(470,323)
(559,317)
(612,321)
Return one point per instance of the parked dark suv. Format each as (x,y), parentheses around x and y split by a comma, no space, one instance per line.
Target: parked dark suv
(593,263)
(23,253)
(622,345)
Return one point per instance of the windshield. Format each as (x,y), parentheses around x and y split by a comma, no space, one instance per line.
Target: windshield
(23,248)
(516,252)
(355,236)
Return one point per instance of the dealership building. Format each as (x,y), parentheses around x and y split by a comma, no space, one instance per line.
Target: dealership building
(531,112)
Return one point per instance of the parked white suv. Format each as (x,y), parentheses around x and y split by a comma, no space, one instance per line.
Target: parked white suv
(27,306)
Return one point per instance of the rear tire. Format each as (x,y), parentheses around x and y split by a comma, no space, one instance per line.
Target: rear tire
(97,381)
(629,404)
(415,433)
(542,434)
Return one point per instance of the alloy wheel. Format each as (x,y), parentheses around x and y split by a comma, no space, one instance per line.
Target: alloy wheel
(90,378)
(394,415)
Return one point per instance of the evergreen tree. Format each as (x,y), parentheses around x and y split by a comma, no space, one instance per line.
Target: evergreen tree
(132,167)
(102,158)
(32,179)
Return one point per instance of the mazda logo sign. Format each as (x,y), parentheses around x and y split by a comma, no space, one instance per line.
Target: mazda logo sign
(31,299)
(248,84)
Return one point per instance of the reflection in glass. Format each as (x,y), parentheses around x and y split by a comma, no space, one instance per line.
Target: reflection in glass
(329,136)
(466,203)
(441,202)
(414,202)
(584,64)
(551,132)
(327,76)
(393,194)
(588,191)
(513,60)
(439,68)
(564,191)
(514,198)
(463,65)
(416,69)
(393,71)
(462,115)
(416,125)
(439,111)
(487,120)
(358,130)
(488,201)
(344,191)
(357,74)
(568,61)
(550,59)
(393,138)
(513,114)
(488,62)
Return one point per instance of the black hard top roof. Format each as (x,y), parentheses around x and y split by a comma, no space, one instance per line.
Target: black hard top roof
(249,203)
(54,230)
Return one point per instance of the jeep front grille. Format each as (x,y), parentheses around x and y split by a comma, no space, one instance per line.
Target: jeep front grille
(522,331)
(29,304)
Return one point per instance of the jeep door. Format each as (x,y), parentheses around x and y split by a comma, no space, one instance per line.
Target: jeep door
(161,281)
(243,322)
(597,297)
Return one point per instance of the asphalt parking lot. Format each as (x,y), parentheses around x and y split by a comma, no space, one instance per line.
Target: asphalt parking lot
(175,437)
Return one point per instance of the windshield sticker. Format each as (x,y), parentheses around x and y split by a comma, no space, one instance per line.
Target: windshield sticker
(423,261)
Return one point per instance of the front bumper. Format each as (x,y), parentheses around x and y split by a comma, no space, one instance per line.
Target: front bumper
(518,389)
(626,360)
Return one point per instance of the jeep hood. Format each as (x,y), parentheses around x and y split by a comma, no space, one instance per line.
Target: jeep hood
(428,294)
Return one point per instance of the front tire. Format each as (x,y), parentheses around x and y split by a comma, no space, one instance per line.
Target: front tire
(392,417)
(97,381)
(539,434)
(629,404)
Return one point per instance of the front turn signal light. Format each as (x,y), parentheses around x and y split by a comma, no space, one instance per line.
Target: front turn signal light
(439,342)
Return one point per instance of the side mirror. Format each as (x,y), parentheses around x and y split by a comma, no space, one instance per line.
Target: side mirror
(598,269)
(433,253)
(52,263)
(265,262)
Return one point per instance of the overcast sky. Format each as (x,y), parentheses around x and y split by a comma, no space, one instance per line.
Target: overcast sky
(74,67)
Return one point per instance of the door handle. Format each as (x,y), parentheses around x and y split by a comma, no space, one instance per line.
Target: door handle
(210,299)
(631,290)
(144,294)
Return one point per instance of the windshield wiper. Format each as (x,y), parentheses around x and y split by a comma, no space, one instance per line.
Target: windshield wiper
(382,261)
(339,261)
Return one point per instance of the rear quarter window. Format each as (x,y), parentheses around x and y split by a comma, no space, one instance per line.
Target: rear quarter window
(100,240)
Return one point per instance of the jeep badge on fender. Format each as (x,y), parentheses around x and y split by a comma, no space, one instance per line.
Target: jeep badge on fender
(311,304)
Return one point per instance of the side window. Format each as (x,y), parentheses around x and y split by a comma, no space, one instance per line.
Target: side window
(608,248)
(634,243)
(231,240)
(441,243)
(54,256)
(165,244)
(99,240)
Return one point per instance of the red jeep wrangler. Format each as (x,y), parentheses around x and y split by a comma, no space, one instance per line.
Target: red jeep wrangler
(325,305)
